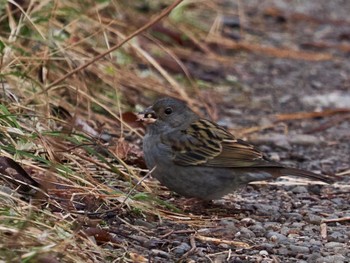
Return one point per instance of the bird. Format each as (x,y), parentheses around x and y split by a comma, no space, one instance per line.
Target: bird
(197,158)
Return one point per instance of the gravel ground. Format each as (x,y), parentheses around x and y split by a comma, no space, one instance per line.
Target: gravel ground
(288,220)
(261,223)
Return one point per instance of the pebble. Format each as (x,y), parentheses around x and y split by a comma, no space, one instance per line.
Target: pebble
(245,233)
(248,221)
(258,230)
(272,225)
(276,237)
(315,242)
(314,256)
(267,209)
(335,99)
(337,201)
(337,237)
(284,230)
(299,190)
(333,245)
(229,222)
(315,248)
(293,216)
(268,247)
(314,219)
(274,157)
(298,225)
(181,249)
(314,189)
(263,253)
(299,249)
(160,253)
(293,236)
(331,259)
(224,246)
(283,251)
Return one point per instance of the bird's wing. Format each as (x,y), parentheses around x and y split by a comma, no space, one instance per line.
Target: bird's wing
(206,143)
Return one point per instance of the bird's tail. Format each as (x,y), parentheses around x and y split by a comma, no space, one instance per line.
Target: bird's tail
(307,174)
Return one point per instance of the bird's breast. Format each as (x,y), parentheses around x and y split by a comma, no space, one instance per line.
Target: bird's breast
(155,152)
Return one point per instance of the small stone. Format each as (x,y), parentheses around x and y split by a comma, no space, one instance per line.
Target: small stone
(338,201)
(224,246)
(316,84)
(314,189)
(315,242)
(245,233)
(181,249)
(283,251)
(298,225)
(299,249)
(274,157)
(272,225)
(160,253)
(284,230)
(258,230)
(268,247)
(315,248)
(314,219)
(299,190)
(263,253)
(337,237)
(267,209)
(314,256)
(248,221)
(333,245)
(293,236)
(335,99)
(229,222)
(331,259)
(293,216)
(276,237)
(304,139)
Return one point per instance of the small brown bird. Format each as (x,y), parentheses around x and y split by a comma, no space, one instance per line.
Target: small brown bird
(196,157)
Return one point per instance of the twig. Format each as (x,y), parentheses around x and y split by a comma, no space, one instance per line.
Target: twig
(323,230)
(193,248)
(185,231)
(269,51)
(223,241)
(138,183)
(346,172)
(341,219)
(310,115)
(329,124)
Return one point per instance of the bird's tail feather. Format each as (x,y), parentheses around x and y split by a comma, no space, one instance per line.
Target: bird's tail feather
(307,174)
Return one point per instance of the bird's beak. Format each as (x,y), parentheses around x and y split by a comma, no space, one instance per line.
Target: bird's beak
(147,116)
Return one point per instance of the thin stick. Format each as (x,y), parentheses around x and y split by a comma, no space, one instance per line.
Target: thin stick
(341,219)
(138,183)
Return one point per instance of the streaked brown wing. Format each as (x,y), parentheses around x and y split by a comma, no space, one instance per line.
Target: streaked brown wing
(238,153)
(208,144)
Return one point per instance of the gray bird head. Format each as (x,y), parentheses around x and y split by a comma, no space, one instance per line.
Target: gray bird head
(166,115)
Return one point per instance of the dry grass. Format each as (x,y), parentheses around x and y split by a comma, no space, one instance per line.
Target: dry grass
(61,119)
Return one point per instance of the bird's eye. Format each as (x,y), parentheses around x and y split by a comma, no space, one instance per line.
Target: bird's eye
(168,111)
